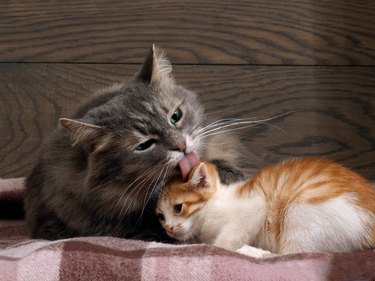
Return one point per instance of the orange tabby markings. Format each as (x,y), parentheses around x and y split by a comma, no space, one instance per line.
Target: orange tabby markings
(298,205)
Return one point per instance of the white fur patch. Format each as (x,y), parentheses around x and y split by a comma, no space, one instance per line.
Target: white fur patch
(192,144)
(233,220)
(254,252)
(335,225)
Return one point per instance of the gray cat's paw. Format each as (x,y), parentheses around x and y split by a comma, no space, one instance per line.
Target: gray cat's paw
(254,252)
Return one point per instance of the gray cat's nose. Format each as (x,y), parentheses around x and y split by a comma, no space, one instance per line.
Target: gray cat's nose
(180,147)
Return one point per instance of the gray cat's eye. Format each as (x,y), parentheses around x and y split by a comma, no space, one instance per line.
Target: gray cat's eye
(176,116)
(145,145)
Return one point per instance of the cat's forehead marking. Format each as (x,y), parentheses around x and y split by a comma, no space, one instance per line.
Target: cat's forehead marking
(177,193)
(170,99)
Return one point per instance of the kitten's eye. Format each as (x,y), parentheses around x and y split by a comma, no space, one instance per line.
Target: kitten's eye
(145,145)
(161,217)
(176,116)
(177,208)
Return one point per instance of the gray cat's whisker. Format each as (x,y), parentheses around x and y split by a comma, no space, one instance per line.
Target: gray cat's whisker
(218,112)
(165,171)
(146,176)
(203,136)
(276,127)
(229,130)
(145,190)
(216,123)
(151,176)
(153,185)
(228,124)
(125,192)
(213,143)
(223,121)
(208,132)
(259,122)
(146,199)
(266,119)
(250,119)
(142,176)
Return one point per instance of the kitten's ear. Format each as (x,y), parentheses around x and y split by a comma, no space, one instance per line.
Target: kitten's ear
(155,68)
(200,177)
(82,133)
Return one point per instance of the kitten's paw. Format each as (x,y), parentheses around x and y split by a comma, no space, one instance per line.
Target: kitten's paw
(254,252)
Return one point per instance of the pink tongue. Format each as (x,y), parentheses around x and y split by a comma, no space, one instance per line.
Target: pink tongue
(187,163)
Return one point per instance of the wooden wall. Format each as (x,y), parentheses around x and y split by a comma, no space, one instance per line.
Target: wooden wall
(251,58)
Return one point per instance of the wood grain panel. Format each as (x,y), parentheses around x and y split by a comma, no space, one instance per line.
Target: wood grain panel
(334,107)
(291,32)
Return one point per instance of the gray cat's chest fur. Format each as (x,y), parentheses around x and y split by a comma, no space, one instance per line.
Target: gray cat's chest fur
(127,142)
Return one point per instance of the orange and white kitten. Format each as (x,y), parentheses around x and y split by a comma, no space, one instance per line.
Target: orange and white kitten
(299,205)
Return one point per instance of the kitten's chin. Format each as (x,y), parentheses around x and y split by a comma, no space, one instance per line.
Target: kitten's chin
(181,236)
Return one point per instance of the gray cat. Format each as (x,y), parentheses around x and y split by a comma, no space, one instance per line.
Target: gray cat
(101,173)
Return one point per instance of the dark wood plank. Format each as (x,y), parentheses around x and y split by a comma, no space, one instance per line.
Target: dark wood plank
(321,32)
(334,107)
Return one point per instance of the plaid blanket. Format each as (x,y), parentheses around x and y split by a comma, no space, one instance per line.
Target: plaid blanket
(108,258)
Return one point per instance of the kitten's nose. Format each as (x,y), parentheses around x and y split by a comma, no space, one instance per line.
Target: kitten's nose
(169,228)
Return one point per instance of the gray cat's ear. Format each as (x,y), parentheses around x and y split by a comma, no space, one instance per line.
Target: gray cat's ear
(82,133)
(155,68)
(200,177)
